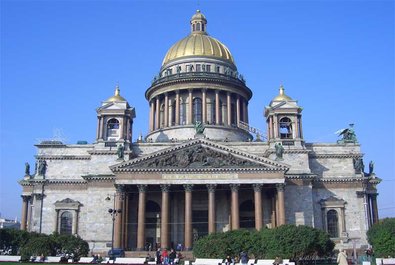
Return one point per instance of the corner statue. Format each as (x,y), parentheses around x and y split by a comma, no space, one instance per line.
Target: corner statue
(120,152)
(348,135)
(279,151)
(27,169)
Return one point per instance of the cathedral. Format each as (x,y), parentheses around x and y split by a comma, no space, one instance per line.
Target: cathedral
(201,168)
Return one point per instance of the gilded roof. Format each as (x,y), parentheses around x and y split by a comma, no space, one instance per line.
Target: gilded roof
(282,96)
(117,96)
(198,43)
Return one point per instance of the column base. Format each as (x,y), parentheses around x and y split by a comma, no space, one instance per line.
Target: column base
(187,249)
(140,249)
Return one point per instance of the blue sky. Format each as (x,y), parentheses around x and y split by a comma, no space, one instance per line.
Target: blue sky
(60,59)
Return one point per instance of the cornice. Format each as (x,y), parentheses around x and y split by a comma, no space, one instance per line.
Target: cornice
(315,155)
(107,152)
(66,182)
(295,151)
(195,170)
(339,180)
(301,176)
(63,157)
(99,178)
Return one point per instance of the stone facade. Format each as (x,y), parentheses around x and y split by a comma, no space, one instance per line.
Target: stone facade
(180,183)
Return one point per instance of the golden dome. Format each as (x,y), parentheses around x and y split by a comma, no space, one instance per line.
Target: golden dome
(198,43)
(282,96)
(117,97)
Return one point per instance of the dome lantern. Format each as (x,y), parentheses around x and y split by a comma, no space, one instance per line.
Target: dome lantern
(198,23)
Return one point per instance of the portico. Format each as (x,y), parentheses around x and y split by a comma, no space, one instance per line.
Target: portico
(195,188)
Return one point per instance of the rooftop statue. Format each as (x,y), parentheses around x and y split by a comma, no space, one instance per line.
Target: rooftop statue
(120,151)
(199,127)
(279,151)
(348,135)
(27,169)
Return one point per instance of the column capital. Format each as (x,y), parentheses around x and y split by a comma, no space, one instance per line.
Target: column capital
(188,187)
(26,198)
(257,187)
(280,187)
(234,187)
(165,187)
(211,187)
(39,196)
(120,188)
(142,187)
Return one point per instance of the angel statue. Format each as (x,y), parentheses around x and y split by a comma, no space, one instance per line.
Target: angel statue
(348,135)
(199,127)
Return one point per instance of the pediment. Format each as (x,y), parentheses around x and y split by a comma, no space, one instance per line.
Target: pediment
(199,155)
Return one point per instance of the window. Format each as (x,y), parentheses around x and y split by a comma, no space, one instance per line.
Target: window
(197,110)
(198,68)
(333,214)
(332,223)
(217,69)
(208,68)
(66,213)
(66,223)
(285,128)
(112,130)
(233,114)
(198,26)
(173,112)
(162,116)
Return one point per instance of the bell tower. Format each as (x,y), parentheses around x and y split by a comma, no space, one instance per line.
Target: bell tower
(115,121)
(284,120)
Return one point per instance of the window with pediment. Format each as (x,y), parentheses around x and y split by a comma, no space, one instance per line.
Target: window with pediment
(333,215)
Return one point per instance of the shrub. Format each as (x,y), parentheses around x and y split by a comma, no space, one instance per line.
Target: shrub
(287,241)
(382,237)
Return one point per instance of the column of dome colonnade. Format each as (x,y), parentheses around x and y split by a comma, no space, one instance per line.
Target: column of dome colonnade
(279,211)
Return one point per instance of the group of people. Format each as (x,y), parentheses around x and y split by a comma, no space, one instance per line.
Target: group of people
(166,257)
(243,257)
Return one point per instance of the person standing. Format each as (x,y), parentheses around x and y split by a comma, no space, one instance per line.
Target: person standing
(342,258)
(243,258)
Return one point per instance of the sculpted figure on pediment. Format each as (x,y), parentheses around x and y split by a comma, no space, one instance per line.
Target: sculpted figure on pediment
(197,157)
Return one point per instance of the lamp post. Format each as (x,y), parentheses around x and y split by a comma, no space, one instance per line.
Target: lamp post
(113,212)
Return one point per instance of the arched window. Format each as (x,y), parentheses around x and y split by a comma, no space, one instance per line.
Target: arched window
(332,223)
(233,114)
(113,130)
(285,128)
(66,223)
(197,110)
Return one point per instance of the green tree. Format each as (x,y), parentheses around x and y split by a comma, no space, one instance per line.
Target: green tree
(382,237)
